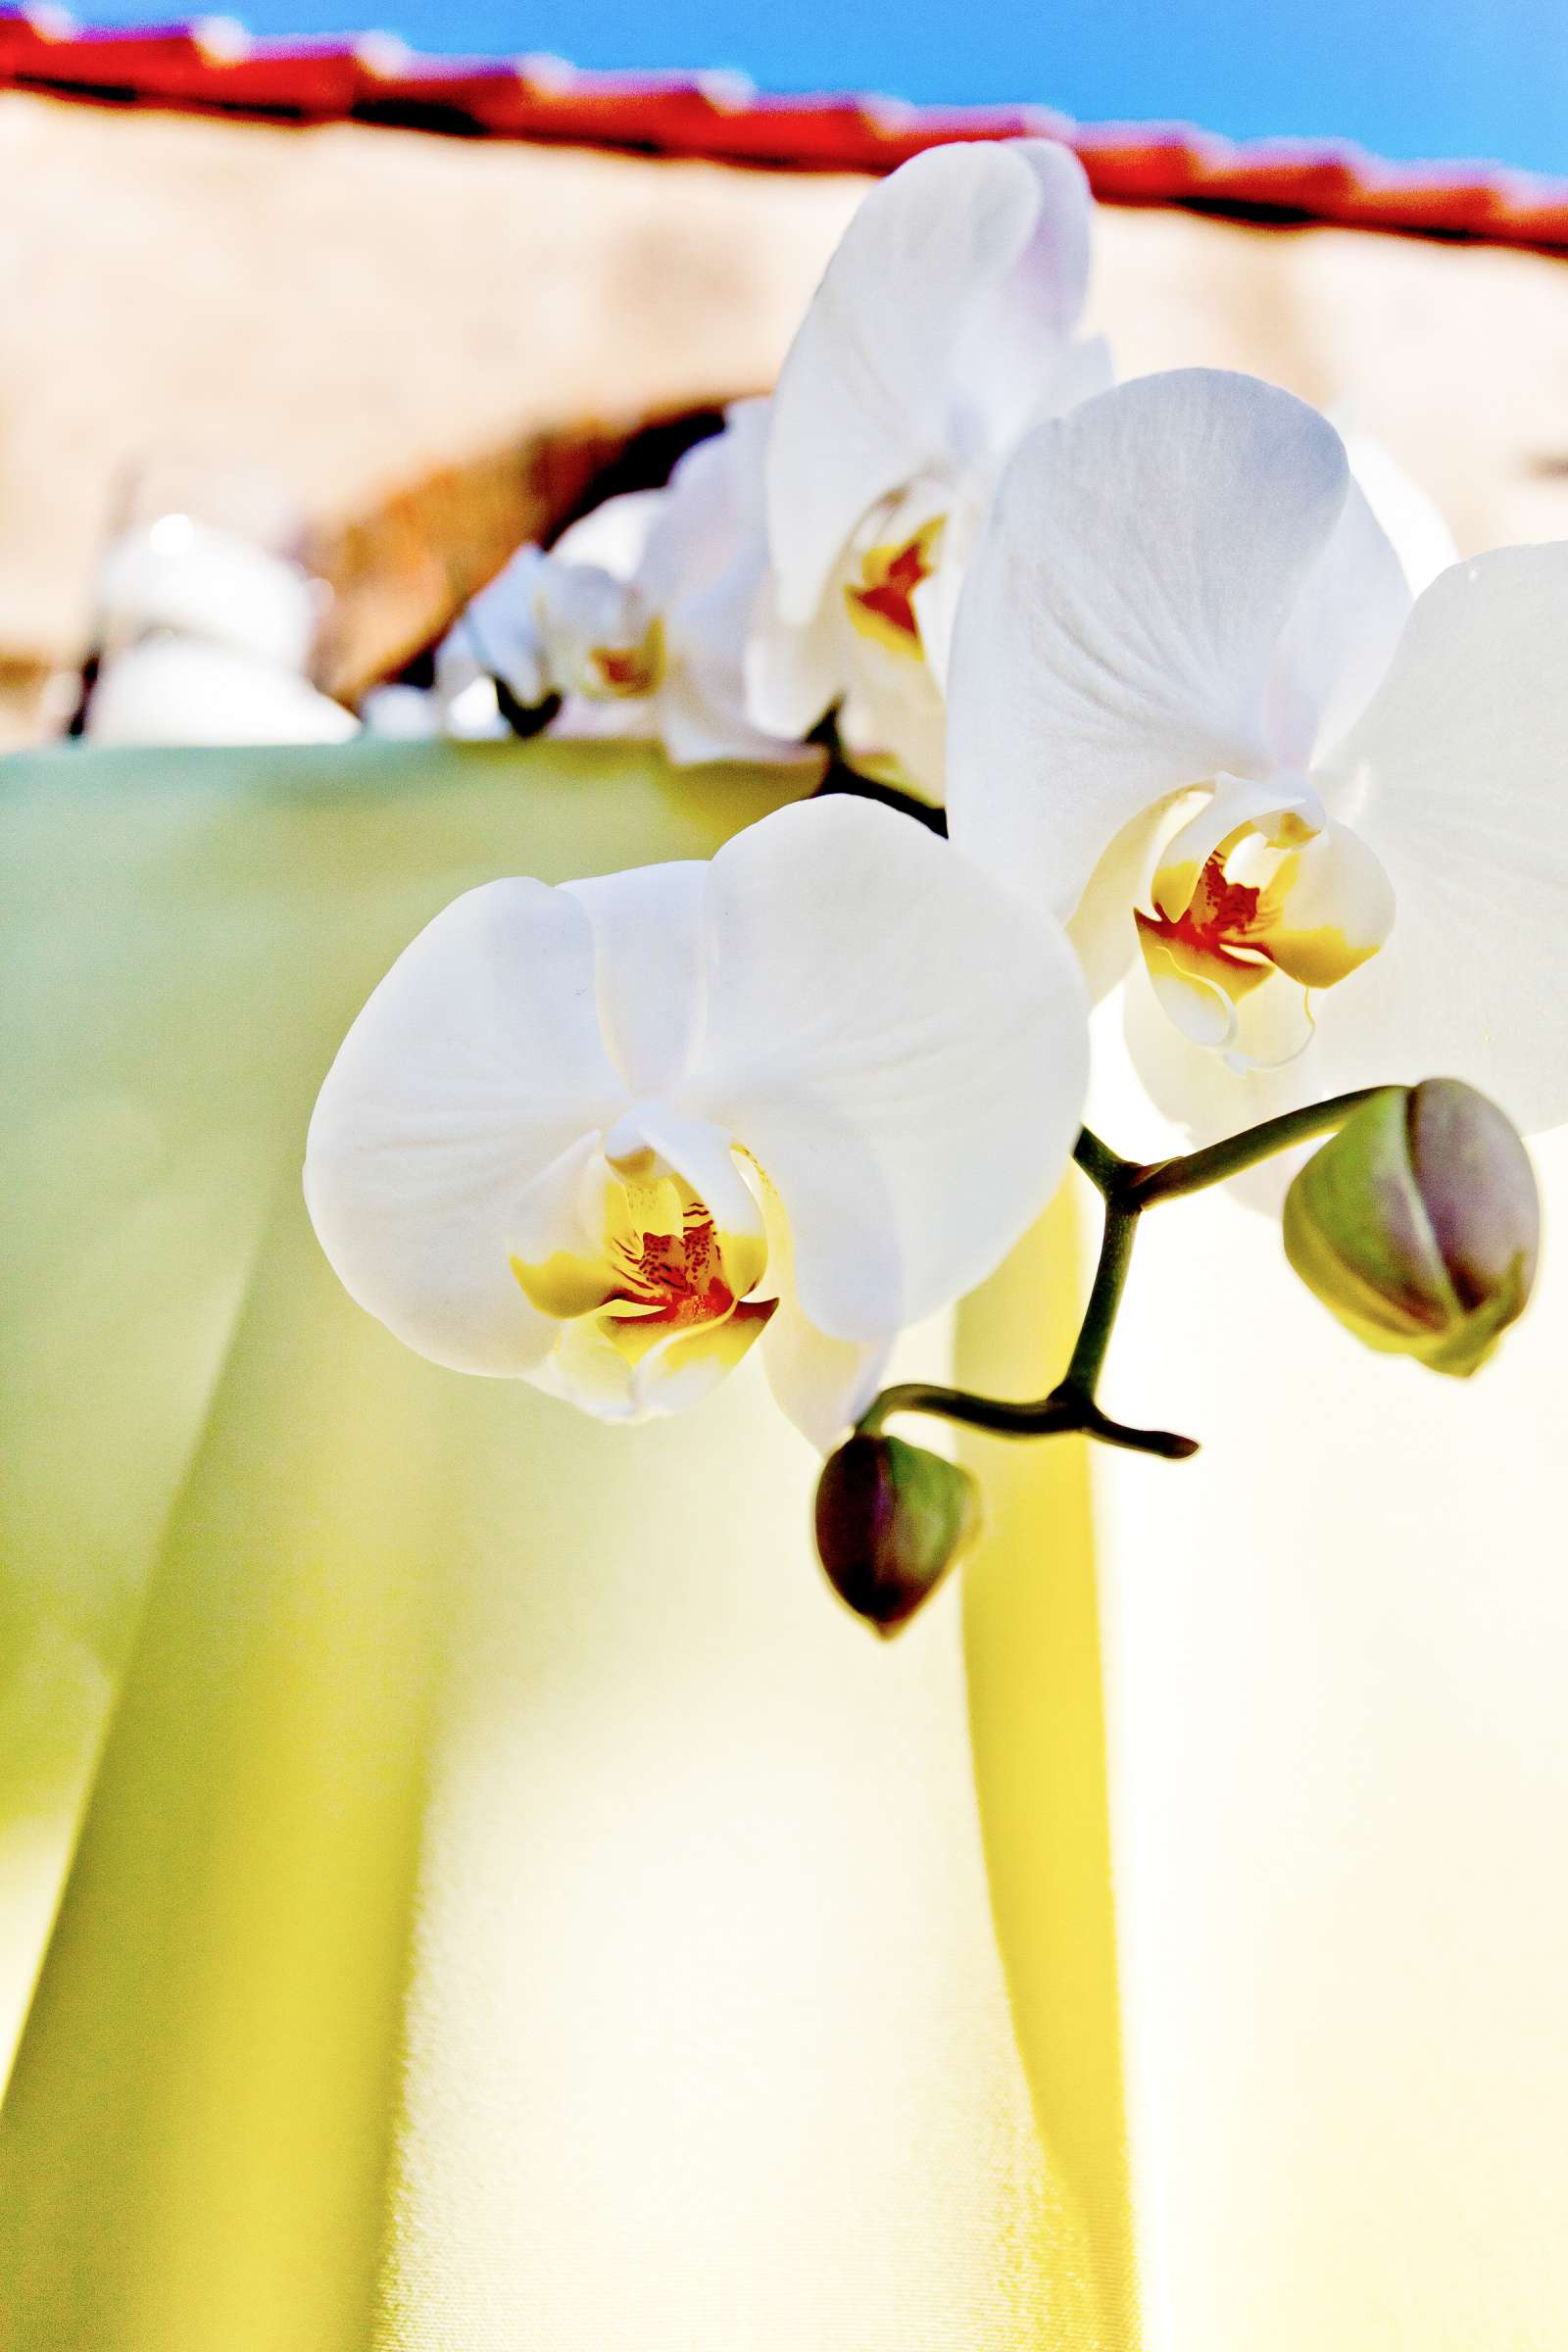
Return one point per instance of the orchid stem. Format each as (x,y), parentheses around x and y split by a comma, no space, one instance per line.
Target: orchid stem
(1127,1187)
(1141,1187)
(1071,1405)
(1088,1359)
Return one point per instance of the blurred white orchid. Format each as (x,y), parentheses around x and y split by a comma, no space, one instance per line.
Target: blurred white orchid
(943,330)
(638,616)
(1193,710)
(606,1137)
(210,638)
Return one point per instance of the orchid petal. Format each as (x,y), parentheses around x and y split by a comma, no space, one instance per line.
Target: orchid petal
(1413,523)
(705,1157)
(1339,637)
(794,676)
(1456,776)
(1046,291)
(1195,1007)
(900,1046)
(542,623)
(710,529)
(891,724)
(1258,1018)
(596,1373)
(1233,804)
(497,635)
(614,535)
(865,396)
(935,606)
(1102,928)
(1333,908)
(697,557)
(556,1233)
(1015,362)
(1198,1089)
(475,1064)
(823,1384)
(702,719)
(647,966)
(1115,636)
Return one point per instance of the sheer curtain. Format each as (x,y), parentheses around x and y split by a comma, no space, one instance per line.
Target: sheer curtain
(505,1900)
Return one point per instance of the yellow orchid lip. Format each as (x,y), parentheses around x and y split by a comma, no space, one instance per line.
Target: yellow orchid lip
(1212,923)
(663,1268)
(881,604)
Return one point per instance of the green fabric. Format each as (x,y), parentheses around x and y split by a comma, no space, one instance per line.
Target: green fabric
(214,1509)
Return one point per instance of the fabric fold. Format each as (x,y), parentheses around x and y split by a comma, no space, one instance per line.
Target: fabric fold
(513,1902)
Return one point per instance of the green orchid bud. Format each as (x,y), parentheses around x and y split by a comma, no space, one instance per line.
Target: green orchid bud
(1418,1225)
(891,1521)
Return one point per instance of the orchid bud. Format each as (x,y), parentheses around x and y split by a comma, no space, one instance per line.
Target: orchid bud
(1418,1224)
(891,1521)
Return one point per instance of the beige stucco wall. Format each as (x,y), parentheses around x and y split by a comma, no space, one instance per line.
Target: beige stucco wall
(400,327)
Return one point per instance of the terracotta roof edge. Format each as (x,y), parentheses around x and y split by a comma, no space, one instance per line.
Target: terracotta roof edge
(212,65)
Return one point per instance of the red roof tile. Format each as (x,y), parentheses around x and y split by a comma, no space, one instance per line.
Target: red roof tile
(211,65)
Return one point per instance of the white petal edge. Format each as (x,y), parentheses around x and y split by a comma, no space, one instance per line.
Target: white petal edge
(702,721)
(1456,775)
(1413,522)
(1340,638)
(1015,362)
(822,1384)
(613,535)
(794,674)
(473,1066)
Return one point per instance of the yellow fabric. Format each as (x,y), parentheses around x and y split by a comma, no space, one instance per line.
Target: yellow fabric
(514,1905)
(1036,1721)
(1336,1648)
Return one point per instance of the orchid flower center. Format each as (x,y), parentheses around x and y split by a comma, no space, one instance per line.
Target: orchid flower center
(1249,917)
(880,600)
(617,671)
(650,1266)
(600,639)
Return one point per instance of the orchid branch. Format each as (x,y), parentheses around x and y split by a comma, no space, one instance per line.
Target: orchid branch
(1128,1188)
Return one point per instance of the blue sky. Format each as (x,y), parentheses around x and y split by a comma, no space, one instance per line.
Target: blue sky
(1450,78)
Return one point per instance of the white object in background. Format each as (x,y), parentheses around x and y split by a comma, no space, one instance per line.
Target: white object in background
(401,714)
(206,622)
(195,579)
(470,711)
(177,689)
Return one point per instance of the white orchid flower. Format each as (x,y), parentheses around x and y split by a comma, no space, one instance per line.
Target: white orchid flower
(639,616)
(943,330)
(1193,710)
(608,1137)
